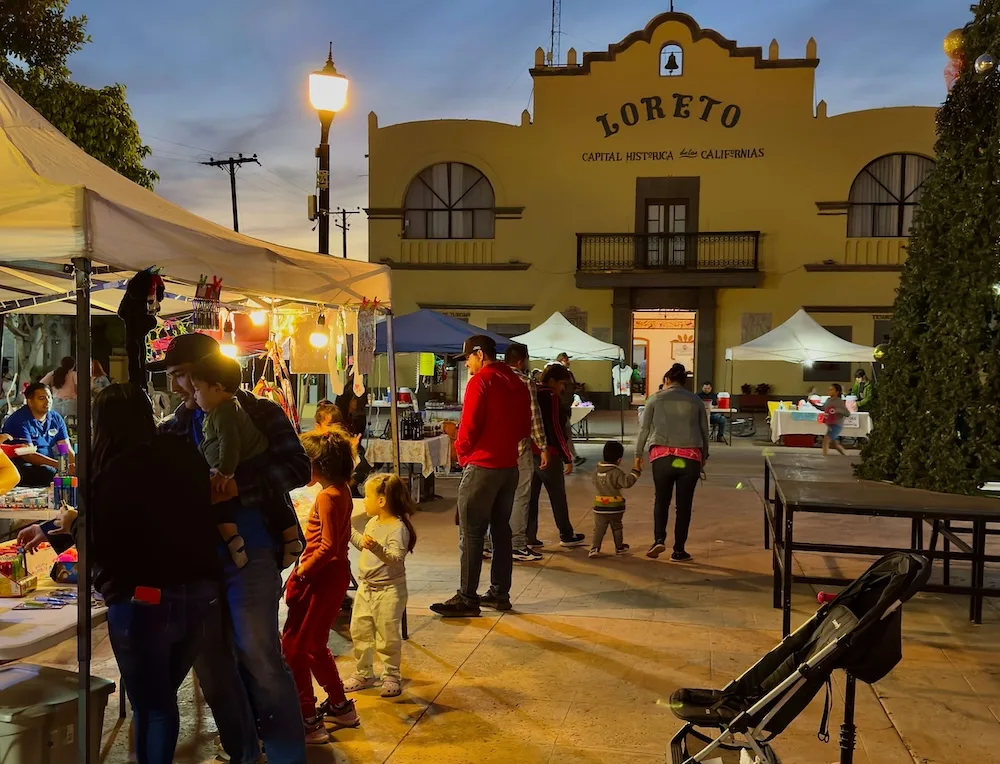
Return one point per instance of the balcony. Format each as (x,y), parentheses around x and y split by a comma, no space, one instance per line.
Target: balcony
(721,259)
(885,254)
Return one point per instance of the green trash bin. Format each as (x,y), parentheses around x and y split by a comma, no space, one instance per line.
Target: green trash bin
(38,714)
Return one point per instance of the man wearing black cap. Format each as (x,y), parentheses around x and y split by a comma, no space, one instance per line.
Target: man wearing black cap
(241,670)
(495,419)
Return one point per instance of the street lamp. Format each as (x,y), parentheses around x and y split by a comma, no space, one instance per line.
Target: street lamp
(328,94)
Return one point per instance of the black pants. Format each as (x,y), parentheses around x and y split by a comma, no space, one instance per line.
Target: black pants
(668,473)
(554,480)
(35,475)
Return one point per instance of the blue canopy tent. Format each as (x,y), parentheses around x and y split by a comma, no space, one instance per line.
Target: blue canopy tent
(427,331)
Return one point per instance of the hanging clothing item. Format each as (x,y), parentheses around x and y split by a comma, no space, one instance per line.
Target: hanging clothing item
(621,380)
(426,366)
(340,340)
(359,384)
(365,351)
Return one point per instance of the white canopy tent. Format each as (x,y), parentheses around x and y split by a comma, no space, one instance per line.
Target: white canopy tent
(557,335)
(63,213)
(800,340)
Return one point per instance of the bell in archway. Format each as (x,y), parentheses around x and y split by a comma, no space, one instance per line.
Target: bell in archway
(671,66)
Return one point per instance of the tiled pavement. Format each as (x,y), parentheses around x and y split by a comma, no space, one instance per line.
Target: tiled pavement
(581,670)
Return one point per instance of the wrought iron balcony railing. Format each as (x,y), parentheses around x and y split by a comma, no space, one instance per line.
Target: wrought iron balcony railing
(617,252)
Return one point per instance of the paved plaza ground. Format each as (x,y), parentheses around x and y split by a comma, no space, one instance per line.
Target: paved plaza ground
(581,670)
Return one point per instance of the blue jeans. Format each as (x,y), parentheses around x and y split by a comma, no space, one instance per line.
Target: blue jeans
(242,673)
(718,421)
(155,646)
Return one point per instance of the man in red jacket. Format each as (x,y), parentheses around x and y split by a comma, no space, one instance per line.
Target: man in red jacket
(496,417)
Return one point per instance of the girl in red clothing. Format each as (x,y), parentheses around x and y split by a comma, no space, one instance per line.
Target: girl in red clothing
(317,587)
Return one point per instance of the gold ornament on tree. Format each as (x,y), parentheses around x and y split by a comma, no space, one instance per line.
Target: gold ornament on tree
(954,43)
(985,64)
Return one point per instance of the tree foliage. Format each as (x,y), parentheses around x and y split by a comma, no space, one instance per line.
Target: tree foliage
(36,39)
(937,418)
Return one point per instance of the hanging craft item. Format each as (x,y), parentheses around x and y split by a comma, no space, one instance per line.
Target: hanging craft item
(351,333)
(365,351)
(335,361)
(159,339)
(340,340)
(138,310)
(207,297)
(280,390)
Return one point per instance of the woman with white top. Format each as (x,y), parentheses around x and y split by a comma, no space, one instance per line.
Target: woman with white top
(62,383)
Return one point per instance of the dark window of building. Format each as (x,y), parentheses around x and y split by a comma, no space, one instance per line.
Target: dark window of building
(671,60)
(885,195)
(508,330)
(449,201)
(825,371)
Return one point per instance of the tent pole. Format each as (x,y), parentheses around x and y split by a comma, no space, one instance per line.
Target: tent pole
(84,732)
(390,347)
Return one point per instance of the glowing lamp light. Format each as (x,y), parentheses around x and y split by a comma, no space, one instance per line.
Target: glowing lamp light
(229,350)
(228,347)
(328,87)
(808,363)
(319,338)
(258,317)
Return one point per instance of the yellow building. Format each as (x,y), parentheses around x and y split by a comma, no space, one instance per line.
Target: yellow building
(677,195)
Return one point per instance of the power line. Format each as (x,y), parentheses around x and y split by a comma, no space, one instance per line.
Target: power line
(231,165)
(343,225)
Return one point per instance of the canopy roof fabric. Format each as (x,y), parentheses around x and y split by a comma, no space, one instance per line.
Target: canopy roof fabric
(427,331)
(800,340)
(57,203)
(557,335)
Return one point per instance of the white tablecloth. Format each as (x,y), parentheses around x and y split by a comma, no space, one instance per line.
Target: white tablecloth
(429,453)
(579,413)
(785,422)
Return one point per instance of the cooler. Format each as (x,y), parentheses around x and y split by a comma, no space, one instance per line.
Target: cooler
(38,708)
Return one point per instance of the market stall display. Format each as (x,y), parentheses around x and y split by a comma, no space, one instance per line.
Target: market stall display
(63,212)
(429,454)
(791,422)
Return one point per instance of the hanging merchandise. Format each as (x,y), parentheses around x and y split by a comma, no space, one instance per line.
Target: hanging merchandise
(207,299)
(365,351)
(440,370)
(338,376)
(621,379)
(311,352)
(351,332)
(340,340)
(426,364)
(279,391)
(359,384)
(160,338)
(138,310)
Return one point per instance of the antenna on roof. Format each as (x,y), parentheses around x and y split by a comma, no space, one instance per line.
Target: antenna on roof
(555,55)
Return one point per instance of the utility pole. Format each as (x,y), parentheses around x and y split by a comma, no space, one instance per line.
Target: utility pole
(231,165)
(343,224)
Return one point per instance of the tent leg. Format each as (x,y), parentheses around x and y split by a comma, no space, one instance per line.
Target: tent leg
(84,616)
(390,347)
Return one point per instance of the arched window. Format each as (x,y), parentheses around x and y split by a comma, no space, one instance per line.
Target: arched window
(449,201)
(885,195)
(671,60)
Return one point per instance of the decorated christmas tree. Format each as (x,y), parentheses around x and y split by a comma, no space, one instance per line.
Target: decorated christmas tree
(937,408)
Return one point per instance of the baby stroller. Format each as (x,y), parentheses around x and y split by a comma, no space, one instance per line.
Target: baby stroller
(859,631)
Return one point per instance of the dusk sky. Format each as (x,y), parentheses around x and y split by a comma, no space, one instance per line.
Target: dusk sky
(214,77)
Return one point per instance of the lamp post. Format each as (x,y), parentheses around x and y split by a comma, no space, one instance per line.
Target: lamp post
(327,94)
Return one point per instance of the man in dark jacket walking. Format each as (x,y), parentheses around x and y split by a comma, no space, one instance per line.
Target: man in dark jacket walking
(496,417)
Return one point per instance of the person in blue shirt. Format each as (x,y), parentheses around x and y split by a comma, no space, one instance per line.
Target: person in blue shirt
(38,425)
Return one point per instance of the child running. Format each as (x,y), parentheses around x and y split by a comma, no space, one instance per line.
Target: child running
(609,506)
(377,618)
(229,439)
(317,587)
(834,412)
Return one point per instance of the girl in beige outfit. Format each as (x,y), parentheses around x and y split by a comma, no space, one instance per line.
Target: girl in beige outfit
(377,615)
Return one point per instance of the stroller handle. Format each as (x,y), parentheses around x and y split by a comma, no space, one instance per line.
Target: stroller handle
(823,597)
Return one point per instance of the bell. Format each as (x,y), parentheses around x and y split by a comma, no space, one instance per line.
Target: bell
(671,65)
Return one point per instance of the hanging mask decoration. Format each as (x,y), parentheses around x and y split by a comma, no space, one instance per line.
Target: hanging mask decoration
(138,310)
(156,291)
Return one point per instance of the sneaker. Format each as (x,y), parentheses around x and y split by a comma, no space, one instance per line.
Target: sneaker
(487,554)
(579,461)
(656,550)
(493,602)
(623,549)
(356,683)
(535,544)
(456,607)
(316,733)
(577,539)
(593,553)
(345,715)
(526,555)
(680,557)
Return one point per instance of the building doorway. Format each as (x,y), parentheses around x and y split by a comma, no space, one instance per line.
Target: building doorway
(661,338)
(666,224)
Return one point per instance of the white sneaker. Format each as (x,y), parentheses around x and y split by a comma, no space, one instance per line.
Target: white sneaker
(594,553)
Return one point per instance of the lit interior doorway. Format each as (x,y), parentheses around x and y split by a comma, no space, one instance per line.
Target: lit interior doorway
(661,338)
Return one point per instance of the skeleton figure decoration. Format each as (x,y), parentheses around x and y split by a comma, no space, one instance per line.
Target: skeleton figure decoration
(138,310)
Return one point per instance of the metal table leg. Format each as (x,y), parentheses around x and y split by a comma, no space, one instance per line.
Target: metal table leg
(767,501)
(786,601)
